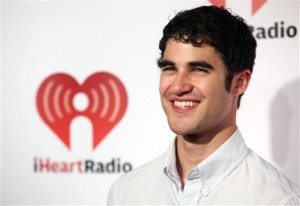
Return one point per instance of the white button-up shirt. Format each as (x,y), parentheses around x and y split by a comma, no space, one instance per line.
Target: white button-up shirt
(233,174)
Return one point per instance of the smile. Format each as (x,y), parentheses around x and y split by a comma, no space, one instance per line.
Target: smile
(184,104)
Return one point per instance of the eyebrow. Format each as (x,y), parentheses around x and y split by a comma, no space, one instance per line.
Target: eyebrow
(164,62)
(203,64)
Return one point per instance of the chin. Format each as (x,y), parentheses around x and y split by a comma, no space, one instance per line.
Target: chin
(180,130)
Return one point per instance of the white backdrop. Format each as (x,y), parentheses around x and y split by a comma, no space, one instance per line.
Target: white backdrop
(79,38)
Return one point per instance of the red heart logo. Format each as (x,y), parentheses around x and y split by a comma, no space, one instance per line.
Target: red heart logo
(107,103)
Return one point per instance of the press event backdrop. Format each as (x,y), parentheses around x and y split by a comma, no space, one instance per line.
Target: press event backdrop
(79,93)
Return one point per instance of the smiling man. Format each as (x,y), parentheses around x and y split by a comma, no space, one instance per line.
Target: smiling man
(207,58)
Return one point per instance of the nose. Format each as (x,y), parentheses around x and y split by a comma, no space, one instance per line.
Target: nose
(181,84)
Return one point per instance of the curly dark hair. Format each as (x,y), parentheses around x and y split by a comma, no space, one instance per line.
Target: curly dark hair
(218,27)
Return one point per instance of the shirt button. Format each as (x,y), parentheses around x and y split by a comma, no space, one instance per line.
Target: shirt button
(207,189)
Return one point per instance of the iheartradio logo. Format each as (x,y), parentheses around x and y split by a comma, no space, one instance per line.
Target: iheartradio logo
(107,103)
(255,4)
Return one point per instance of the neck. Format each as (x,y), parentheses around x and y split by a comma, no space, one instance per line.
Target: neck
(191,150)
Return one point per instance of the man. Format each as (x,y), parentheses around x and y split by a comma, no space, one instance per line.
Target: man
(207,57)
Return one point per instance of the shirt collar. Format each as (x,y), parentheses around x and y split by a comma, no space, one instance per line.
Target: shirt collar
(214,168)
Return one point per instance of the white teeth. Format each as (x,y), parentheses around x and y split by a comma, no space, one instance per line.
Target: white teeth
(184,104)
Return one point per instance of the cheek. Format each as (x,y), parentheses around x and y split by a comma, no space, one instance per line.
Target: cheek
(164,84)
(220,97)
(212,89)
(161,88)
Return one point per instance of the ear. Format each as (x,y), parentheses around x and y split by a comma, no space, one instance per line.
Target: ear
(240,82)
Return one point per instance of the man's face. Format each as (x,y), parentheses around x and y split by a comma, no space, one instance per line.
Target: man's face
(192,90)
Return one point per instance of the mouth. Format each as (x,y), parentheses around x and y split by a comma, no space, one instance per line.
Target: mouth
(185,104)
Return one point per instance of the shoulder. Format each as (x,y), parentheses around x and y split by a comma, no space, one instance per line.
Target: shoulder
(153,167)
(268,178)
(133,185)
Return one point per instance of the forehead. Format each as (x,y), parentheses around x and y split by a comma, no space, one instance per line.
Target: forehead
(179,52)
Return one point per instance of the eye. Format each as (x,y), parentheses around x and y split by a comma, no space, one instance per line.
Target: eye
(168,69)
(200,69)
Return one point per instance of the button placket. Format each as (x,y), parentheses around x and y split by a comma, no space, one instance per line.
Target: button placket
(192,192)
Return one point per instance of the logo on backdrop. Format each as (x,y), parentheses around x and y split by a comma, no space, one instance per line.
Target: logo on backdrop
(107,103)
(255,4)
(279,29)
